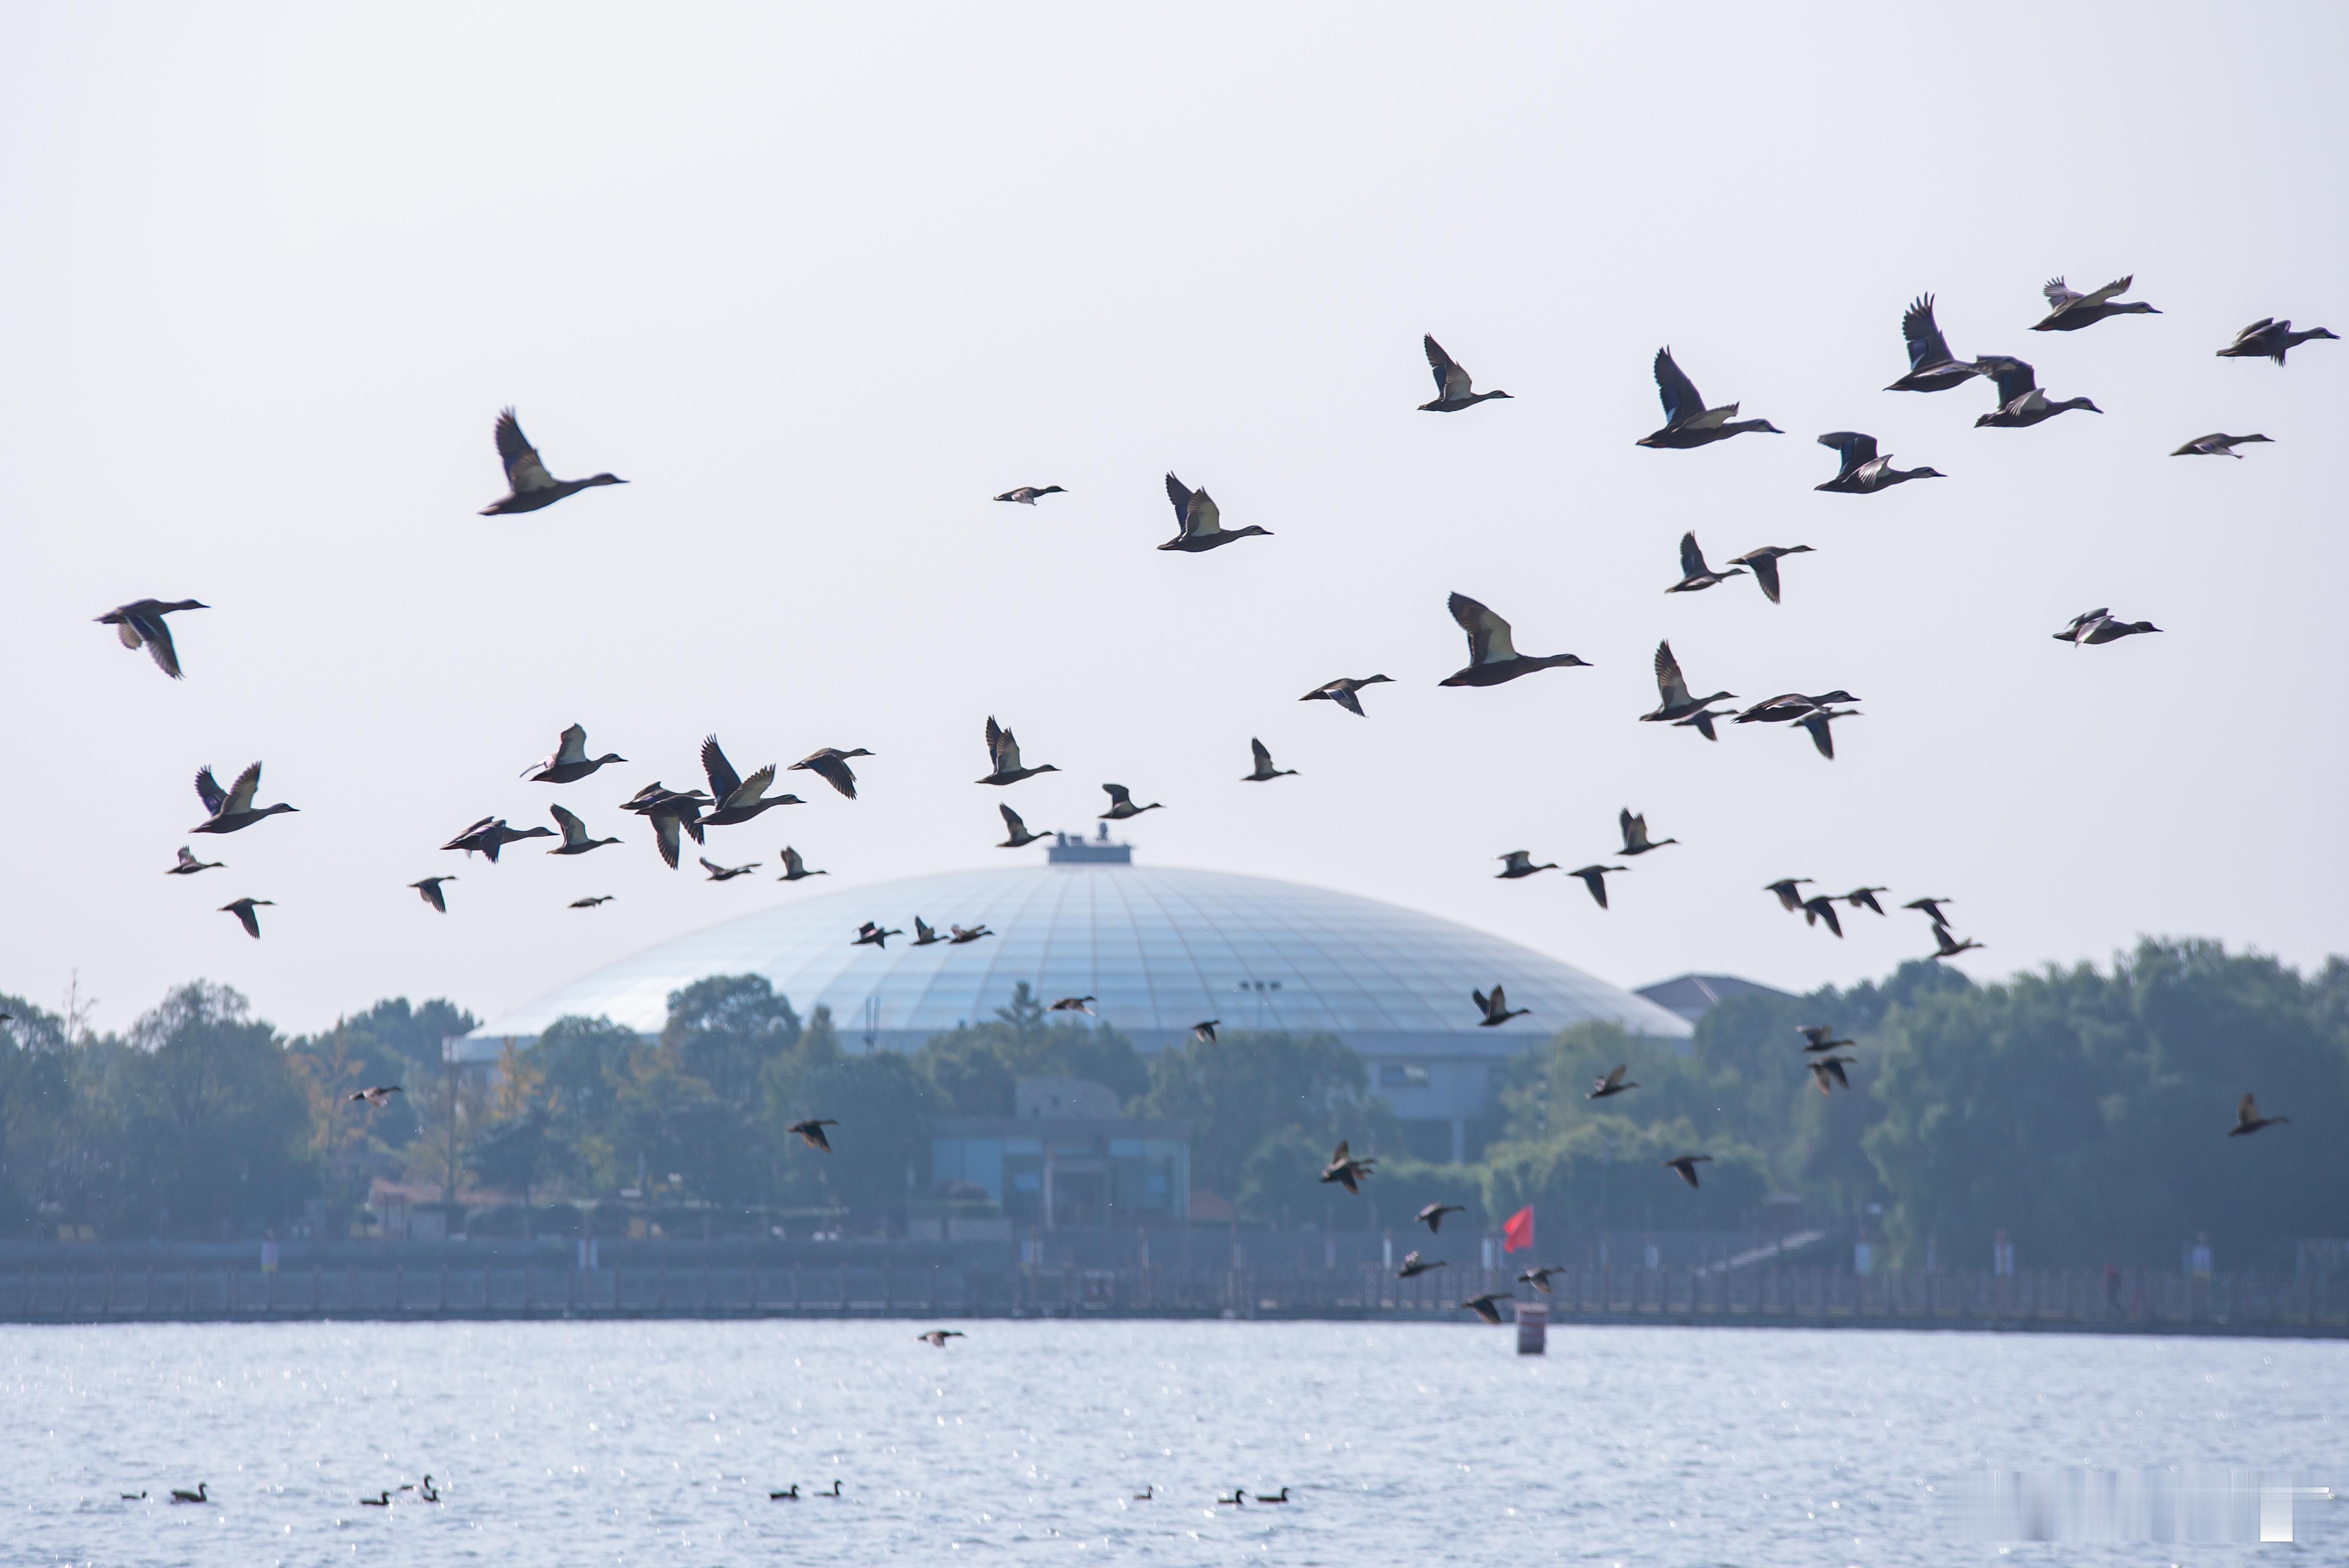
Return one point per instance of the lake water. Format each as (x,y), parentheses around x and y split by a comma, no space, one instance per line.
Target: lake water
(656,1443)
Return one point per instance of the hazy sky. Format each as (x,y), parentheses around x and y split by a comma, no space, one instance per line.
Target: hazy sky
(820,282)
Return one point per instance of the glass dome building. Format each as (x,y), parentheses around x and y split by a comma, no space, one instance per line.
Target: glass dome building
(1157,949)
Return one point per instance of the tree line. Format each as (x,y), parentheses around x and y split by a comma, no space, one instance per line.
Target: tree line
(2081,1110)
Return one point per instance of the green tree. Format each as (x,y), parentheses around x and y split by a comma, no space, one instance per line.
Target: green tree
(1244,1089)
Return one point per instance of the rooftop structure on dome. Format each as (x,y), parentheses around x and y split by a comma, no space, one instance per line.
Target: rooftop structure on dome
(1694,995)
(1158,950)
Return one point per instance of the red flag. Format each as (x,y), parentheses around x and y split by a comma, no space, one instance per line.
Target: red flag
(1517,1230)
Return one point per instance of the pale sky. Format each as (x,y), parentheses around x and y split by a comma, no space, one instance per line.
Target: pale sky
(819,283)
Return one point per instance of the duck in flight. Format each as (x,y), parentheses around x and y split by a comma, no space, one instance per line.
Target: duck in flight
(1495,1008)
(1594,877)
(924,937)
(1931,908)
(1820,1038)
(2248,1120)
(377,1096)
(796,869)
(1346,1171)
(1702,722)
(1121,806)
(831,764)
(1946,946)
(1020,837)
(1818,720)
(1788,899)
(1487,1307)
(429,890)
(1492,658)
(1612,1084)
(1203,523)
(1862,472)
(811,1133)
(1695,575)
(1865,898)
(2097,626)
(1265,772)
(937,1337)
(1520,863)
(870,935)
(575,841)
(1686,1165)
(962,937)
(1635,833)
(189,865)
(1413,1265)
(2070,310)
(1822,907)
(1075,1005)
(570,761)
(673,813)
(1672,687)
(231,810)
(2021,403)
(242,908)
(589,902)
(1932,367)
(1453,389)
(1687,421)
(1345,692)
(139,624)
(1764,562)
(727,873)
(1029,495)
(2217,444)
(1788,705)
(1828,1071)
(529,485)
(2266,338)
(1432,1215)
(1003,758)
(738,799)
(491,834)
(1204,1031)
(1539,1277)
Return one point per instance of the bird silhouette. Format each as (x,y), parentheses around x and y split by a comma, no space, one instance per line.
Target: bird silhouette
(1519,863)
(1594,877)
(1635,833)
(1686,1165)
(1202,522)
(1493,657)
(1432,1216)
(1687,421)
(1347,1170)
(2070,310)
(1029,495)
(569,762)
(831,764)
(1695,575)
(1413,1265)
(2266,338)
(1121,806)
(242,908)
(1453,389)
(1495,1008)
(1264,772)
(1487,1306)
(529,487)
(1612,1084)
(1003,758)
(811,1133)
(2248,1120)
(428,889)
(1346,692)
(139,624)
(1764,562)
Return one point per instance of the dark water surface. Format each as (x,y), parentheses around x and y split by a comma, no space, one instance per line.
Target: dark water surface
(1403,1443)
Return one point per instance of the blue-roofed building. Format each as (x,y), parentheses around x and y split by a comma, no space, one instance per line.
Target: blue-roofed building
(1159,949)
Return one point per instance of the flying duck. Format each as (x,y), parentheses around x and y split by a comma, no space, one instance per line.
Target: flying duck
(1343,692)
(1121,806)
(204,1493)
(231,808)
(1520,863)
(2266,338)
(377,1095)
(1612,1084)
(1203,526)
(796,868)
(1539,1277)
(1028,495)
(2071,310)
(1863,472)
(1702,722)
(1453,391)
(1817,721)
(1931,907)
(2217,444)
(1932,367)
(2098,626)
(1020,837)
(2248,1119)
(1946,945)
(1495,1008)
(1595,879)
(1865,898)
(870,935)
(811,1133)
(924,937)
(1204,1031)
(189,865)
(139,624)
(1695,575)
(1432,1216)
(1492,658)
(1764,562)
(1788,899)
(831,764)
(242,908)
(1346,1171)
(738,799)
(491,834)
(1819,908)
(1672,689)
(1265,772)
(1687,421)
(1826,1069)
(2021,403)
(531,486)
(1686,1165)
(589,902)
(575,841)
(430,891)
(1820,1038)
(725,874)
(570,761)
(1791,704)
(1635,833)
(963,935)
(673,817)
(1075,1005)
(1413,1266)
(1003,758)
(1487,1307)
(937,1337)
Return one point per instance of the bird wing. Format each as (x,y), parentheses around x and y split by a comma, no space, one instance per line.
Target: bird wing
(1182,500)
(1824,908)
(1500,1000)
(827,765)
(2058,296)
(2014,377)
(1856,449)
(1345,696)
(921,930)
(1635,829)
(706,866)
(523,470)
(1926,343)
(158,637)
(1765,573)
(1482,1005)
(749,791)
(573,830)
(1263,758)
(1682,401)
(2247,1112)
(1003,748)
(2256,328)
(1835,1066)
(1822,737)
(240,794)
(1012,822)
(208,790)
(573,747)
(242,908)
(1204,518)
(723,779)
(1692,558)
(1451,381)
(2111,290)
(669,833)
(1488,635)
(1611,1080)
(1119,795)
(793,863)
(1669,682)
